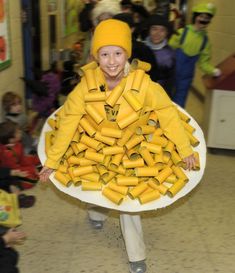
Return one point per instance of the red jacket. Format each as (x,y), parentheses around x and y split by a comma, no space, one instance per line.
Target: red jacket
(14,158)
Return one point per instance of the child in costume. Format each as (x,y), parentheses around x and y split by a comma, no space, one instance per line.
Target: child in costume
(12,154)
(112,49)
(192,46)
(13,108)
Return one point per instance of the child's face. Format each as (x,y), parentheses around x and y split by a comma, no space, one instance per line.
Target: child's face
(17,137)
(112,61)
(16,107)
(157,34)
(202,21)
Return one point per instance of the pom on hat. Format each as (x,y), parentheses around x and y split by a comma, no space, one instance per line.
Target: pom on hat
(111,32)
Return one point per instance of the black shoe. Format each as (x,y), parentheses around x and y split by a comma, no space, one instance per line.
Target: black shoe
(26,201)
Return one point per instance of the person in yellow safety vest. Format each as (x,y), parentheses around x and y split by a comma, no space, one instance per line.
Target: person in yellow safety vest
(111,47)
(192,46)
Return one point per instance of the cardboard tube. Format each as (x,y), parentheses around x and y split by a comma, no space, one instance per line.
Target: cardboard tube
(115,95)
(179,173)
(113,150)
(125,137)
(146,171)
(78,171)
(163,174)
(88,128)
(137,190)
(133,163)
(127,181)
(159,140)
(133,154)
(91,65)
(145,130)
(137,64)
(116,160)
(90,142)
(188,127)
(92,177)
(153,119)
(94,114)
(95,96)
(62,168)
(91,186)
(120,189)
(176,187)
(176,158)
(153,148)
(171,179)
(119,170)
(68,153)
(197,166)
(183,116)
(111,132)
(73,160)
(90,79)
(109,176)
(52,123)
(193,140)
(162,189)
(139,75)
(131,118)
(113,196)
(132,100)
(133,141)
(146,156)
(94,156)
(106,140)
(63,178)
(150,196)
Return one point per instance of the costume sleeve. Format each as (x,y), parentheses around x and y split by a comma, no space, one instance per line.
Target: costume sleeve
(168,117)
(204,60)
(174,41)
(70,115)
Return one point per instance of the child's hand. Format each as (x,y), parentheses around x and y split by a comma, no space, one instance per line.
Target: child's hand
(190,162)
(13,236)
(19,173)
(45,173)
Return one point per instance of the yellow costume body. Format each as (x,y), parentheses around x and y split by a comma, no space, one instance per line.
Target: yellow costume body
(151,96)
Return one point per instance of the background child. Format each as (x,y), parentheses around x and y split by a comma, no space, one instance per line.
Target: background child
(13,108)
(12,153)
(164,56)
(8,255)
(192,46)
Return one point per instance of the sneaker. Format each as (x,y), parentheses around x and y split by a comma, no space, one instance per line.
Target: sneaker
(96,224)
(138,267)
(26,201)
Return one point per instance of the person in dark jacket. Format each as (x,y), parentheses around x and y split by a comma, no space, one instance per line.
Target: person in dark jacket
(164,70)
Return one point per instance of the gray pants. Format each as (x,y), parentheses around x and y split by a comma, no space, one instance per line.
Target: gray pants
(131,231)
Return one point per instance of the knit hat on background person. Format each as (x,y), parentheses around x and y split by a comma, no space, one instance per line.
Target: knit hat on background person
(111,32)
(205,8)
(158,20)
(106,9)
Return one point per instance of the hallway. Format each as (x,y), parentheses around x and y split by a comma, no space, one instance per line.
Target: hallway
(194,235)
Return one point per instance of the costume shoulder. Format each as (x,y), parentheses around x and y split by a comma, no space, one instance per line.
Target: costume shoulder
(74,105)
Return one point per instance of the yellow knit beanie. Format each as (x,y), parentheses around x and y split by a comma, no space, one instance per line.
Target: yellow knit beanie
(111,32)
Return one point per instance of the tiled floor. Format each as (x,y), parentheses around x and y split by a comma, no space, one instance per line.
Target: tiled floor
(194,235)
